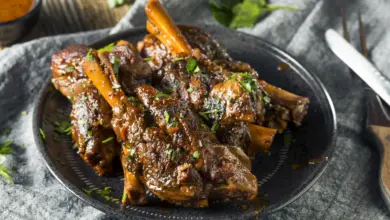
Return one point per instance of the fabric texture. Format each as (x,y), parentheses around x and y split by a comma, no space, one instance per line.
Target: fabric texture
(347,190)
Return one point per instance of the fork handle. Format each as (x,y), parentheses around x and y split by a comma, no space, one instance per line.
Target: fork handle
(382,139)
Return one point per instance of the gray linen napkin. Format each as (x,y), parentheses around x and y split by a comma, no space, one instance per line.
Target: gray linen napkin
(347,190)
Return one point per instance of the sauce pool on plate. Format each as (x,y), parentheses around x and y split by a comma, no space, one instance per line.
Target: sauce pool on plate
(13,9)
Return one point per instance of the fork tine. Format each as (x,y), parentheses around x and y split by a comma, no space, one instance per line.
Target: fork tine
(346,35)
(344,22)
(363,42)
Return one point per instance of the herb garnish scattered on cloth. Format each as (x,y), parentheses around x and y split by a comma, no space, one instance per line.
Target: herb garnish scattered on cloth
(242,13)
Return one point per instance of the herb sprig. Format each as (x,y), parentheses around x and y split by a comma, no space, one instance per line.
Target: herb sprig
(242,13)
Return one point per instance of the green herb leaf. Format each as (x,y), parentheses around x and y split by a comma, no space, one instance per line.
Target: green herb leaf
(42,134)
(266,99)
(107,48)
(90,56)
(104,192)
(190,90)
(148,59)
(166,117)
(196,155)
(177,59)
(115,66)
(215,126)
(241,13)
(192,65)
(6,150)
(173,124)
(4,172)
(161,95)
(181,115)
(247,86)
(107,140)
(65,127)
(88,191)
(89,132)
(69,69)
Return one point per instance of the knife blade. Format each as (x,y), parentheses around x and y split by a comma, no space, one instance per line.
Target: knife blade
(359,64)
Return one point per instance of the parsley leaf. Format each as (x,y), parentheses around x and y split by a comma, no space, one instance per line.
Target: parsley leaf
(88,191)
(215,127)
(148,59)
(177,59)
(166,117)
(64,127)
(115,65)
(190,90)
(5,148)
(107,140)
(107,48)
(196,155)
(192,66)
(161,95)
(241,13)
(42,134)
(90,56)
(4,172)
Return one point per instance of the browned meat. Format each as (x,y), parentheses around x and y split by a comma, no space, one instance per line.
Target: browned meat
(229,177)
(66,69)
(91,131)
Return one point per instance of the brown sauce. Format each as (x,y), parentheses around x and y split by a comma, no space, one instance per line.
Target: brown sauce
(13,9)
(283,66)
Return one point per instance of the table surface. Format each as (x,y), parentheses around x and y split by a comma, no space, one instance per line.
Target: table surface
(70,16)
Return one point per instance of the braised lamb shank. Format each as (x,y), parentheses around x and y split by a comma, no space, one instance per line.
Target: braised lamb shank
(186,117)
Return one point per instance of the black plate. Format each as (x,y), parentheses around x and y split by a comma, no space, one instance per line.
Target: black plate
(280,183)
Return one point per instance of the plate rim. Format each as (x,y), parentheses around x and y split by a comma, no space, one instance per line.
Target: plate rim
(308,183)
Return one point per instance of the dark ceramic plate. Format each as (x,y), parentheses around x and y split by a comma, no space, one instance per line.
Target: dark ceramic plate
(279,183)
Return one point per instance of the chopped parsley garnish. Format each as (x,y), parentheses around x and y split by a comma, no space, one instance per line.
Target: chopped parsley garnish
(89,132)
(266,99)
(173,124)
(190,90)
(196,155)
(5,147)
(107,140)
(4,172)
(88,191)
(105,192)
(177,59)
(107,48)
(192,66)
(173,154)
(115,66)
(161,95)
(148,59)
(69,69)
(42,134)
(181,115)
(166,117)
(215,126)
(64,127)
(246,81)
(90,56)
(84,98)
(24,113)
